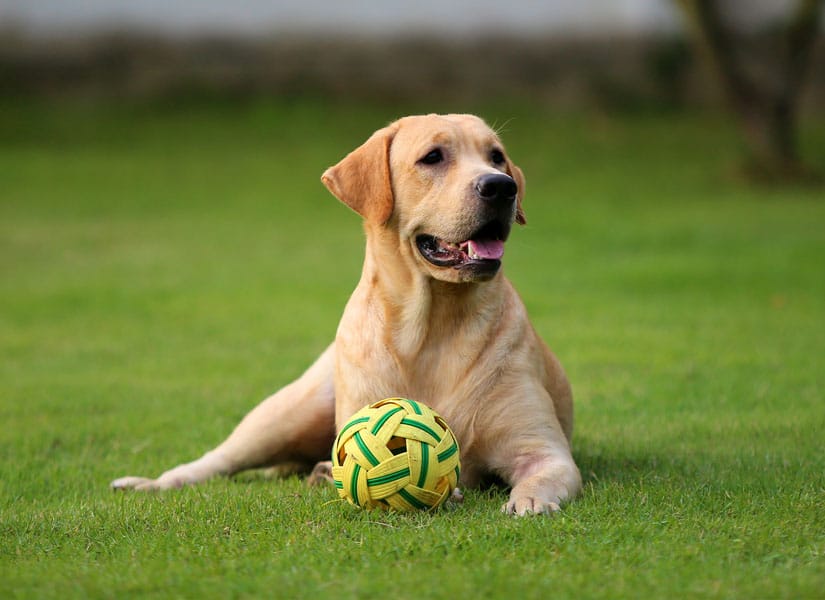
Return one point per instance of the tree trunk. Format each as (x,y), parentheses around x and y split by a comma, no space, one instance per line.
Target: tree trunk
(765,104)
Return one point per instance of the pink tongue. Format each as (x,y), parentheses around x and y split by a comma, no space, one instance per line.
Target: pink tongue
(489,249)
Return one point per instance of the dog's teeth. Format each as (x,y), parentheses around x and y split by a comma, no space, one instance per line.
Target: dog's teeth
(470,251)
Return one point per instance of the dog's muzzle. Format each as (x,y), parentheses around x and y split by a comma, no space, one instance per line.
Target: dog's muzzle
(479,256)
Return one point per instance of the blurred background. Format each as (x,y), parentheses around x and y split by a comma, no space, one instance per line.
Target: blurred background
(763,59)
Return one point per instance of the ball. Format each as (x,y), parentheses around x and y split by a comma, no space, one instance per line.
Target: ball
(396,454)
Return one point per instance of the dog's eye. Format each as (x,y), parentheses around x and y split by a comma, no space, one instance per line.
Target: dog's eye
(497,156)
(432,157)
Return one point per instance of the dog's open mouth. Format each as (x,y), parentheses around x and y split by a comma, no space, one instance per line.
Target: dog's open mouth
(484,248)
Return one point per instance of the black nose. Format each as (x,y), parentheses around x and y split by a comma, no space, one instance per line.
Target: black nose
(496,187)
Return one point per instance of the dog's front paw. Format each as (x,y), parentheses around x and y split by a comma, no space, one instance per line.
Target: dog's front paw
(209,465)
(322,473)
(176,478)
(135,483)
(541,485)
(523,505)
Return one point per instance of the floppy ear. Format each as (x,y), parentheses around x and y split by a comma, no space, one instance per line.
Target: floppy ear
(362,179)
(516,174)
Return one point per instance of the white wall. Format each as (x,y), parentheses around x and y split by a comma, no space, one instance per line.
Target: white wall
(451,17)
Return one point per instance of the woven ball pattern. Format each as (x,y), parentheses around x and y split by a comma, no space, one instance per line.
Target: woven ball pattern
(395,454)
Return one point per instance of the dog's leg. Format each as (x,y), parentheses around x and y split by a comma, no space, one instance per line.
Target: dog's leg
(535,459)
(295,424)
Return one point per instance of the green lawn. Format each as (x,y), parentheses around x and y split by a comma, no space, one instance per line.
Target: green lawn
(162,270)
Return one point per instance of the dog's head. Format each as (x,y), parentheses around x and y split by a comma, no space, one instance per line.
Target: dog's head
(444,185)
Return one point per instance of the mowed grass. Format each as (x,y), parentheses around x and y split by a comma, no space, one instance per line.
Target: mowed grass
(163,270)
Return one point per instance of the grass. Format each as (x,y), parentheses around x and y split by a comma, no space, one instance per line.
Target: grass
(154,287)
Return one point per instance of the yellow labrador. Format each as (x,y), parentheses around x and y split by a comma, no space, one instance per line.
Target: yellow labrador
(432,319)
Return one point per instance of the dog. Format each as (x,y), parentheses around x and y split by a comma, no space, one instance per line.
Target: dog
(432,318)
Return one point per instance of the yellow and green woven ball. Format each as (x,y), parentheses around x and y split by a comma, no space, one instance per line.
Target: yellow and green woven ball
(396,454)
